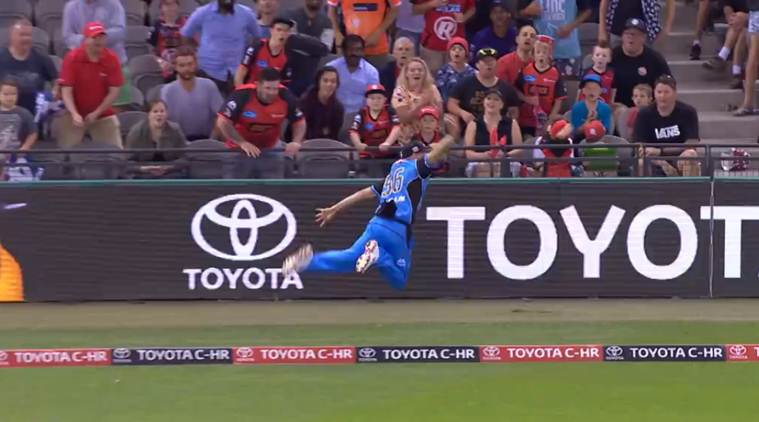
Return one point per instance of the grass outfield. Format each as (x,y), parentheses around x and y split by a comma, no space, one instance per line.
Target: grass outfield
(390,392)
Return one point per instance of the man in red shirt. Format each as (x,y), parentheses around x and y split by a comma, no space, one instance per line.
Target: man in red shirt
(251,121)
(509,66)
(90,81)
(266,52)
(443,20)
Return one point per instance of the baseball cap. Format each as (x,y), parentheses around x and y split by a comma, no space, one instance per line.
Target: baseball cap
(484,53)
(590,77)
(412,148)
(283,20)
(429,111)
(375,89)
(494,91)
(458,41)
(93,29)
(636,24)
(594,130)
(557,127)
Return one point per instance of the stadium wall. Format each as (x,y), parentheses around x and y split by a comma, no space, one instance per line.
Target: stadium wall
(142,240)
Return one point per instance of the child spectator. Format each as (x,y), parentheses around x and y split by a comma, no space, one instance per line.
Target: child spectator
(643,96)
(541,88)
(590,108)
(456,69)
(165,36)
(558,134)
(375,124)
(443,20)
(601,59)
(266,52)
(17,128)
(428,133)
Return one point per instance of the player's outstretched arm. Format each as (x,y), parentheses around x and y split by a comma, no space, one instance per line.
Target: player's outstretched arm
(440,150)
(325,215)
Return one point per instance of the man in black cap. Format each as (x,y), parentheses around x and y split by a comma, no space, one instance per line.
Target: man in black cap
(635,63)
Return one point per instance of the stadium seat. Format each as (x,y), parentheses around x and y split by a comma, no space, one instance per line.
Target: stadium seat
(127,119)
(347,121)
(154,93)
(621,120)
(135,11)
(588,34)
(207,165)
(52,162)
(97,166)
(186,8)
(57,61)
(40,39)
(136,40)
(12,10)
(323,164)
(145,71)
(572,87)
(48,15)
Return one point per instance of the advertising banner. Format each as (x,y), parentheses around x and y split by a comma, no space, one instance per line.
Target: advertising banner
(28,358)
(471,239)
(542,353)
(401,354)
(171,356)
(664,353)
(266,355)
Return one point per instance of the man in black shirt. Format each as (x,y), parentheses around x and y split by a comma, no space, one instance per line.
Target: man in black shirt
(669,121)
(634,63)
(466,99)
(30,68)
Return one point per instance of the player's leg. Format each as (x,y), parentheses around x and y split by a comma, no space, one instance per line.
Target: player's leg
(342,261)
(393,260)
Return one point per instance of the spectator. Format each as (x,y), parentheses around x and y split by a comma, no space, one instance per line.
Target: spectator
(591,107)
(165,37)
(368,21)
(251,122)
(323,111)
(414,91)
(736,14)
(492,128)
(17,128)
(541,88)
(355,73)
(465,101)
(669,121)
(266,53)
(615,14)
(90,81)
(375,124)
(560,20)
(643,96)
(558,134)
(224,28)
(703,21)
(635,63)
(156,132)
(456,69)
(267,11)
(192,101)
(443,20)
(501,34)
(403,50)
(749,88)
(601,58)
(509,66)
(30,68)
(428,131)
(409,25)
(304,53)
(110,13)
(311,20)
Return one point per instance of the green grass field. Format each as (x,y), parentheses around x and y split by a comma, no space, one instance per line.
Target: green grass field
(391,392)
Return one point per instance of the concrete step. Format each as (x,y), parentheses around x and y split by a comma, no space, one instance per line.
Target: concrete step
(718,125)
(678,45)
(715,99)
(694,71)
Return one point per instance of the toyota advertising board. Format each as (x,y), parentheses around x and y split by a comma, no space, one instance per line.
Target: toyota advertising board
(128,241)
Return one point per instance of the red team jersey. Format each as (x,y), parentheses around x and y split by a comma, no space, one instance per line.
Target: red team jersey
(547,85)
(258,123)
(607,84)
(440,23)
(373,131)
(508,67)
(259,56)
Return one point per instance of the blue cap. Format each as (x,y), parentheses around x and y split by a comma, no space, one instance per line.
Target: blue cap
(590,77)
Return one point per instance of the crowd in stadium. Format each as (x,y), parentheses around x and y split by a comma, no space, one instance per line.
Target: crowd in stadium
(264,80)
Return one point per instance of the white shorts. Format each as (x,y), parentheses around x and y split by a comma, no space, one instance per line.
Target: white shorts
(753,22)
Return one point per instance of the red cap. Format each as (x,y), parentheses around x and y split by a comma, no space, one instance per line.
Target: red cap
(545,39)
(375,89)
(93,29)
(594,130)
(557,127)
(458,41)
(429,111)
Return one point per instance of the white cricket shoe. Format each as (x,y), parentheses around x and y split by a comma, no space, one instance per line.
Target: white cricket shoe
(368,258)
(298,261)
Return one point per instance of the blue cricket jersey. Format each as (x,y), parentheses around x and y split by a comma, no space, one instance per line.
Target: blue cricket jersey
(400,193)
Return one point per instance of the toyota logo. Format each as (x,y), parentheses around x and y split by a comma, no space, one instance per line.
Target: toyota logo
(737,350)
(3,356)
(613,351)
(244,352)
(121,353)
(243,249)
(491,351)
(367,352)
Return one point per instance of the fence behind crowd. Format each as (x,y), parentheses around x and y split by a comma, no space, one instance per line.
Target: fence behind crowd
(481,238)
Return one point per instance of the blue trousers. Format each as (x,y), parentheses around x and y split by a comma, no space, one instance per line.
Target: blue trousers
(394,260)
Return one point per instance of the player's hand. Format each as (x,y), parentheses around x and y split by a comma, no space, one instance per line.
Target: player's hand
(77,119)
(325,215)
(291,149)
(466,116)
(250,149)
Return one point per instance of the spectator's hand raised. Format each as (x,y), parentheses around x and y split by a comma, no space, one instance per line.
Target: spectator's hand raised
(77,119)
(250,149)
